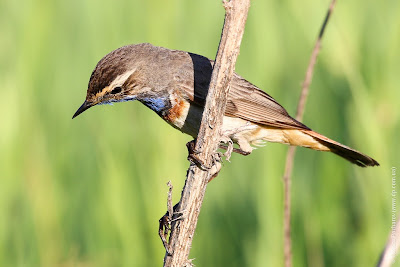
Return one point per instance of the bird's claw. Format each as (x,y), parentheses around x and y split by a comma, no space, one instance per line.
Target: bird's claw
(216,166)
(193,158)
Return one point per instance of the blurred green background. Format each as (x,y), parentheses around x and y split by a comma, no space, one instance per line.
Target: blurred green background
(90,191)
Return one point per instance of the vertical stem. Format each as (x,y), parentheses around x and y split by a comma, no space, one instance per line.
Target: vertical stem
(291,152)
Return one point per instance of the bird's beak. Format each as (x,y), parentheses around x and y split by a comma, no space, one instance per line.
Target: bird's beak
(86,105)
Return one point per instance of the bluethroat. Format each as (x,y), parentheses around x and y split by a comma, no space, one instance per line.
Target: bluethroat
(174,84)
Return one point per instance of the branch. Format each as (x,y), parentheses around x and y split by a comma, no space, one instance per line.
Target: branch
(208,139)
(290,156)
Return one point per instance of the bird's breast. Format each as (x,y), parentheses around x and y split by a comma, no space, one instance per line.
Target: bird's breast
(178,112)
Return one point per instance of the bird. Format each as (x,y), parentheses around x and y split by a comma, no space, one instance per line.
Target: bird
(174,84)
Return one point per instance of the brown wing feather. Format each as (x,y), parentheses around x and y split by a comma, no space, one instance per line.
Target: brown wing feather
(245,100)
(248,102)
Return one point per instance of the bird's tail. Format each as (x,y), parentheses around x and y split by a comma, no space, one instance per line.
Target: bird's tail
(341,150)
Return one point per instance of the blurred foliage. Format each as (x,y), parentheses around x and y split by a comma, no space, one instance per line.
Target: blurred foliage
(90,191)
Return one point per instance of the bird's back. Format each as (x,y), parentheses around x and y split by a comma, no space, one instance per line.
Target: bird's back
(191,74)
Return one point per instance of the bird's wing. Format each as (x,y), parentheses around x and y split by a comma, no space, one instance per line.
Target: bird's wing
(248,102)
(245,100)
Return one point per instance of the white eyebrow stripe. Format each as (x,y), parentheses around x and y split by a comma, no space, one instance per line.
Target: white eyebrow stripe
(120,79)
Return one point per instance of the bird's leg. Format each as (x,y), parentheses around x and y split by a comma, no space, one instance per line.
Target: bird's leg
(244,146)
(228,147)
(235,150)
(191,146)
(193,158)
(216,167)
(213,169)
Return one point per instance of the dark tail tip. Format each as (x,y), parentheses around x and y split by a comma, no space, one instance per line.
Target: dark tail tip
(343,151)
(355,157)
(351,155)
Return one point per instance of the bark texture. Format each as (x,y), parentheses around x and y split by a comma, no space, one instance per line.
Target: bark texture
(208,140)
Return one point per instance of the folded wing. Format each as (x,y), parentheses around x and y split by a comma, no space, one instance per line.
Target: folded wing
(245,100)
(248,102)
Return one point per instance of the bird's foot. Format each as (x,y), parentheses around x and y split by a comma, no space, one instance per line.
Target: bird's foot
(228,147)
(193,158)
(235,150)
(216,166)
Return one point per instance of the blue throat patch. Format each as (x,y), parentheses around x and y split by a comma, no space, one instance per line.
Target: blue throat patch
(155,104)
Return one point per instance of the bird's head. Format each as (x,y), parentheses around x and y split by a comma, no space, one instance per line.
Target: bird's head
(114,78)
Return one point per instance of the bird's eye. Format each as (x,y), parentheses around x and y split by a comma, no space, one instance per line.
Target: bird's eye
(116,90)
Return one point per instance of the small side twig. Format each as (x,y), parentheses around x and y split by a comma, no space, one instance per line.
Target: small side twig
(169,201)
(291,152)
(166,220)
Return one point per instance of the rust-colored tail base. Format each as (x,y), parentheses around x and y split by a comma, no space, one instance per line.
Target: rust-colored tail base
(346,152)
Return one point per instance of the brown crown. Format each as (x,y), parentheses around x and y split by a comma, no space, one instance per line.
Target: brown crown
(113,64)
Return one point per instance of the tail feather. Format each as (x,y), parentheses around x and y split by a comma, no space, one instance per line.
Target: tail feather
(345,152)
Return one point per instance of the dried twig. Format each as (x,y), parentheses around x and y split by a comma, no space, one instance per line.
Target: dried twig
(166,220)
(290,156)
(208,139)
